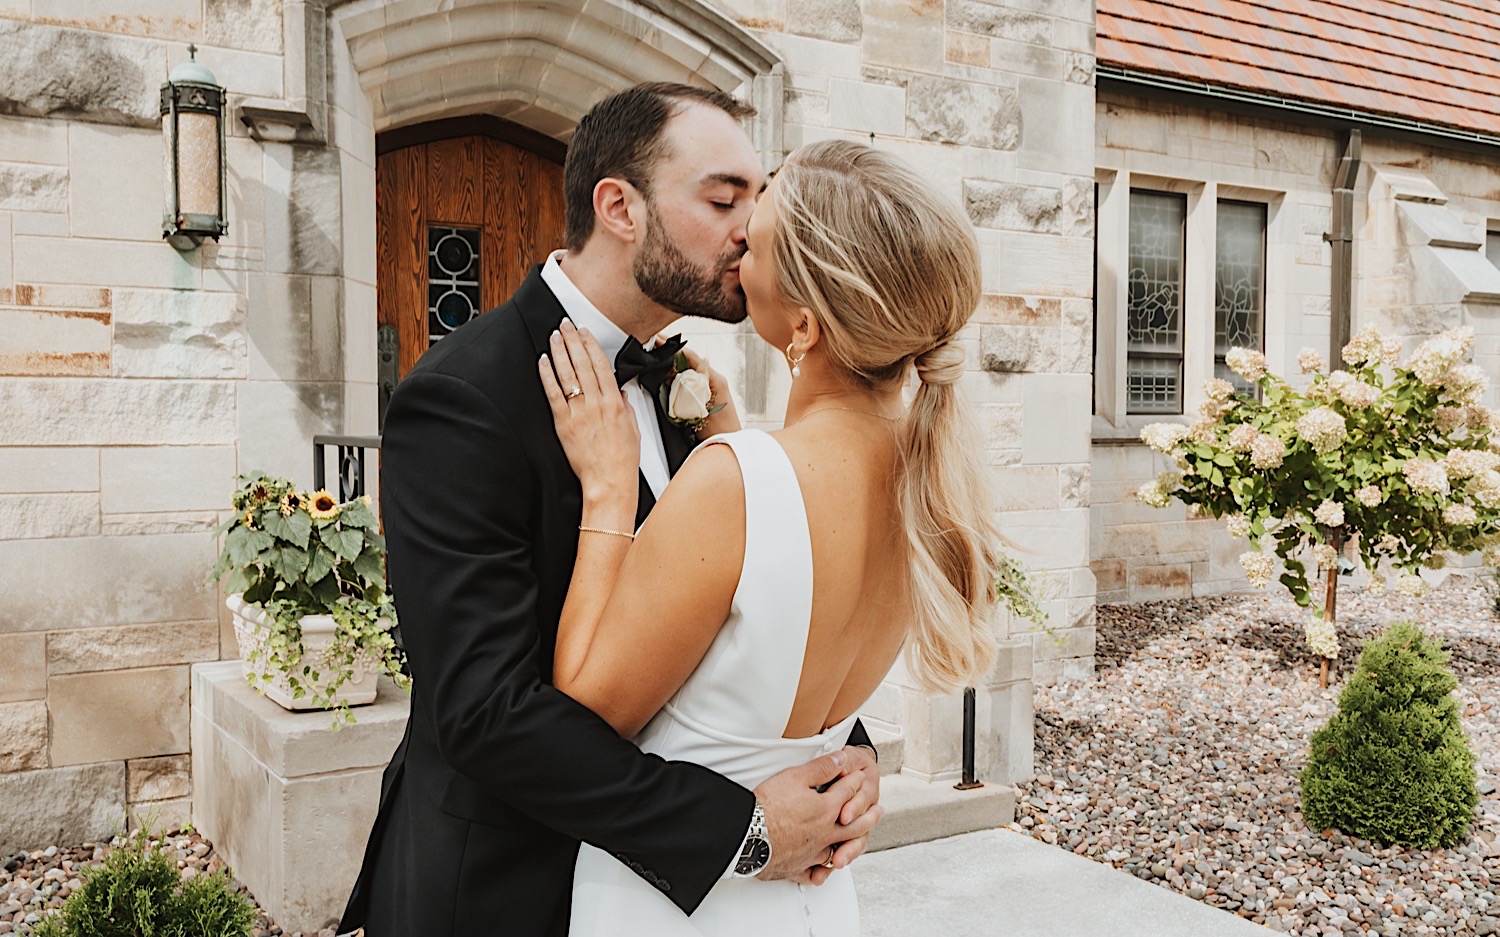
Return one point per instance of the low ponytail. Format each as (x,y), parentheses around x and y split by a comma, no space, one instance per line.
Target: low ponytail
(891,268)
(950,530)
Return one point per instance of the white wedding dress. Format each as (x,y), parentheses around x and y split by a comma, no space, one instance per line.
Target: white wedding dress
(729,716)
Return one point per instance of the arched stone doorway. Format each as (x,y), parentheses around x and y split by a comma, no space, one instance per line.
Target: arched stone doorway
(535,67)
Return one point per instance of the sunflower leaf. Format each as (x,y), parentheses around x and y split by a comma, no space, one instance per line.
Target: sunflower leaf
(289,563)
(320,563)
(299,526)
(355,514)
(371,565)
(346,543)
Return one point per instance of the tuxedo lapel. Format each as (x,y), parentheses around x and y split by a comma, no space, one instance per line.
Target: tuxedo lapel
(542,313)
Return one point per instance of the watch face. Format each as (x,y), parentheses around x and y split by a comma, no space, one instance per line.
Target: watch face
(757,855)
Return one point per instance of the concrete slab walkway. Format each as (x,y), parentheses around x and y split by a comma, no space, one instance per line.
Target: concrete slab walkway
(999,883)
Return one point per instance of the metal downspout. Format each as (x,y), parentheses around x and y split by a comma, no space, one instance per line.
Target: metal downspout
(1342,239)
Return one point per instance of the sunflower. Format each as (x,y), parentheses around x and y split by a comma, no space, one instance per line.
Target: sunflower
(261,494)
(249,518)
(320,505)
(291,501)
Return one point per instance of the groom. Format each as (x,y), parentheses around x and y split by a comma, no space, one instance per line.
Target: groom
(500,775)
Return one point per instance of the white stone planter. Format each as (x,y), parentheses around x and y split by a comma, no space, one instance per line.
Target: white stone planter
(250,624)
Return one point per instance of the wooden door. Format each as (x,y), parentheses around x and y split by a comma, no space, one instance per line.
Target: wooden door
(463,210)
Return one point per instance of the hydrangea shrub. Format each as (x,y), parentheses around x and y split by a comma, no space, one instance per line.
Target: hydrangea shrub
(1398,463)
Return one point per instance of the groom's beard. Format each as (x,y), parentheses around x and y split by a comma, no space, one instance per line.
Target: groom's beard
(671,280)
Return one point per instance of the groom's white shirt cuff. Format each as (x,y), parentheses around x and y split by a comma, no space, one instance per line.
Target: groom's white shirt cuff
(611,338)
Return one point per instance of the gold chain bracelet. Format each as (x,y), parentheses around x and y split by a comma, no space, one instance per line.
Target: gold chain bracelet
(601,530)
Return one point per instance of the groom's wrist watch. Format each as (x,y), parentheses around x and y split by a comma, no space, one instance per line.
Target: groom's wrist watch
(755,854)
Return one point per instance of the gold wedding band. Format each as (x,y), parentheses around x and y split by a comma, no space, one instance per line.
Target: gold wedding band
(574,391)
(828,863)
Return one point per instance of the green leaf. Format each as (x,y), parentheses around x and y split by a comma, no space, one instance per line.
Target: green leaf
(355,514)
(300,527)
(346,543)
(371,565)
(289,563)
(320,563)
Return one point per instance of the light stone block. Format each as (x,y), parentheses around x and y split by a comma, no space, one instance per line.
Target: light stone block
(159,479)
(1055,417)
(1000,21)
(253,25)
(132,646)
(109,78)
(277,422)
(169,777)
(161,19)
(54,296)
(111,581)
(84,804)
(835,20)
(23,736)
(1014,207)
(104,411)
(118,185)
(103,263)
(25,470)
(866,107)
(42,516)
(118,715)
(293,335)
(1024,487)
(32,187)
(179,333)
(1043,265)
(966,48)
(33,140)
(51,342)
(359,327)
(160,815)
(816,56)
(185,522)
(288,802)
(1004,748)
(946,110)
(1057,120)
(23,667)
(7,265)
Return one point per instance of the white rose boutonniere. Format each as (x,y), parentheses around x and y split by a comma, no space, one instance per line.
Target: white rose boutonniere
(687,397)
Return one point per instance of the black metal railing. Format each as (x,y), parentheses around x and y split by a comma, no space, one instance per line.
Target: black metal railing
(970,781)
(351,462)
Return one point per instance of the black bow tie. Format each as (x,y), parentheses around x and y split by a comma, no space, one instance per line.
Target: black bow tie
(650,368)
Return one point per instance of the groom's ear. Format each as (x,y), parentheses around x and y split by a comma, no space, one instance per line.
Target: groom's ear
(617,206)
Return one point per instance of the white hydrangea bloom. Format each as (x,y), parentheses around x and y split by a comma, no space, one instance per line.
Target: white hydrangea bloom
(1218,389)
(1438,355)
(1267,451)
(1211,410)
(1352,391)
(1158,493)
(1460,515)
(1485,489)
(1371,346)
(1250,365)
(1387,543)
(1164,437)
(1323,429)
(1202,431)
(1449,419)
(1321,637)
(1370,496)
(1377,583)
(1260,568)
(1426,475)
(1412,586)
(1310,361)
(1466,384)
(1467,463)
(1238,525)
(1242,437)
(1330,514)
(1492,555)
(1325,555)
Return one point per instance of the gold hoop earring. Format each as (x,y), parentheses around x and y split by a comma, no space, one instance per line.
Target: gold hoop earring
(794,362)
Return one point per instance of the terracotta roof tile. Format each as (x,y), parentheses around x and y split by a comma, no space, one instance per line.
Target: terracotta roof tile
(1436,61)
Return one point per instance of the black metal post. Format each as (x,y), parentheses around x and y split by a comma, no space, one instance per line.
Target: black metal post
(351,467)
(969,781)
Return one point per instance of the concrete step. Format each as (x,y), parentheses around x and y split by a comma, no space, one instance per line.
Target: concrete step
(917,811)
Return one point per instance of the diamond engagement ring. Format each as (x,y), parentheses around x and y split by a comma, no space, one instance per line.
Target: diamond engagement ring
(574,391)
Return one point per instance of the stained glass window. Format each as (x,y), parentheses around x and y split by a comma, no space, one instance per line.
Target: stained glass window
(452,279)
(1153,350)
(1239,285)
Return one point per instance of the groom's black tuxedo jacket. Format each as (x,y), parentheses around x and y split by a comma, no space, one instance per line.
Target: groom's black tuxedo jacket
(500,775)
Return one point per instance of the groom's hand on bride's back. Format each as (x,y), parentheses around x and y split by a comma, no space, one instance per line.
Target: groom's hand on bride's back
(805,810)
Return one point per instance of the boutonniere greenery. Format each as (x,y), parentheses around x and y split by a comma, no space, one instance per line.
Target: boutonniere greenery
(686,396)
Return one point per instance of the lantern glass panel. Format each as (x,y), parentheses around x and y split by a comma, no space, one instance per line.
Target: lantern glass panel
(198,163)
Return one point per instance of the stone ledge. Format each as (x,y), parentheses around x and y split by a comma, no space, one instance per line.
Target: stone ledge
(917,811)
(298,744)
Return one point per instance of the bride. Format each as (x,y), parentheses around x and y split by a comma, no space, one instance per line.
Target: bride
(798,563)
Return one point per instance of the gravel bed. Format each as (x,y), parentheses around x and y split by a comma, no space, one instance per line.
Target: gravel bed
(1179,763)
(35,882)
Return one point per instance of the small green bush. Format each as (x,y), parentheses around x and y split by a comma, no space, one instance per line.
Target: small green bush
(139,892)
(1393,765)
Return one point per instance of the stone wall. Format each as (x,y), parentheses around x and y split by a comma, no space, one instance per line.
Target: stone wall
(992,101)
(1402,282)
(135,383)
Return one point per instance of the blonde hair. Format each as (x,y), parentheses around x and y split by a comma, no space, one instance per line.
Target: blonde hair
(891,270)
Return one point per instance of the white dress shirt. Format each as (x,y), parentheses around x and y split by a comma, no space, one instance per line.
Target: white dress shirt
(611,338)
